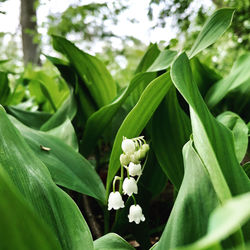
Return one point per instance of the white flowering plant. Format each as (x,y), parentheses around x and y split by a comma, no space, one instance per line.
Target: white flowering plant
(162,164)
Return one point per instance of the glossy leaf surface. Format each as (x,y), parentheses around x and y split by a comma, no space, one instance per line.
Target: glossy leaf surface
(137,119)
(112,241)
(171,129)
(99,121)
(210,136)
(20,227)
(92,71)
(33,180)
(67,168)
(213,29)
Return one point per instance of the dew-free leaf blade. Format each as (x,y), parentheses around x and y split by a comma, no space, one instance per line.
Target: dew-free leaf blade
(4,88)
(240,132)
(20,227)
(66,111)
(163,60)
(239,75)
(67,167)
(210,136)
(223,222)
(148,58)
(66,133)
(195,201)
(170,131)
(99,121)
(111,241)
(33,119)
(213,29)
(92,71)
(33,180)
(137,119)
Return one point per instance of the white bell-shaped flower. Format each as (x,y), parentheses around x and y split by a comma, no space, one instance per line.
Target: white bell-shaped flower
(134,169)
(115,201)
(135,214)
(129,186)
(128,146)
(124,159)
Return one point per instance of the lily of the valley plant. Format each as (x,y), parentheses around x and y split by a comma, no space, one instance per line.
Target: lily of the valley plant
(134,151)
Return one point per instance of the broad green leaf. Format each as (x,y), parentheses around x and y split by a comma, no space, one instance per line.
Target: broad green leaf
(47,95)
(66,111)
(100,120)
(210,136)
(223,222)
(148,58)
(4,88)
(20,227)
(33,180)
(54,90)
(163,60)
(203,76)
(240,132)
(33,119)
(239,75)
(66,133)
(137,119)
(111,241)
(18,93)
(161,63)
(213,29)
(67,167)
(195,201)
(92,71)
(170,131)
(86,104)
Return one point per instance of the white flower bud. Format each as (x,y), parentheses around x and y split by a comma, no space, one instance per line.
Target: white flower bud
(134,169)
(128,146)
(135,214)
(124,159)
(145,148)
(134,158)
(129,186)
(115,201)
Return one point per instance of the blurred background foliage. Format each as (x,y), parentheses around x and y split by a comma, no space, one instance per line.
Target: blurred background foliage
(88,24)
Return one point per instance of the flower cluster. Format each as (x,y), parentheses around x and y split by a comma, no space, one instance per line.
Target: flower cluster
(134,150)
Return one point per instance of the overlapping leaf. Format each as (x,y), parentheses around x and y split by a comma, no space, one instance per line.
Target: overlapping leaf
(239,76)
(67,168)
(33,180)
(213,29)
(4,88)
(99,121)
(162,61)
(66,111)
(240,132)
(111,241)
(33,119)
(223,222)
(195,201)
(170,131)
(137,119)
(213,142)
(92,71)
(20,227)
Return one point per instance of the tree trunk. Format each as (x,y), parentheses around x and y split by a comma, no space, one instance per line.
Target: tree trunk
(31,52)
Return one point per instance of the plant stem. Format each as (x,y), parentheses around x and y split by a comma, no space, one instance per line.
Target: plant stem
(121,180)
